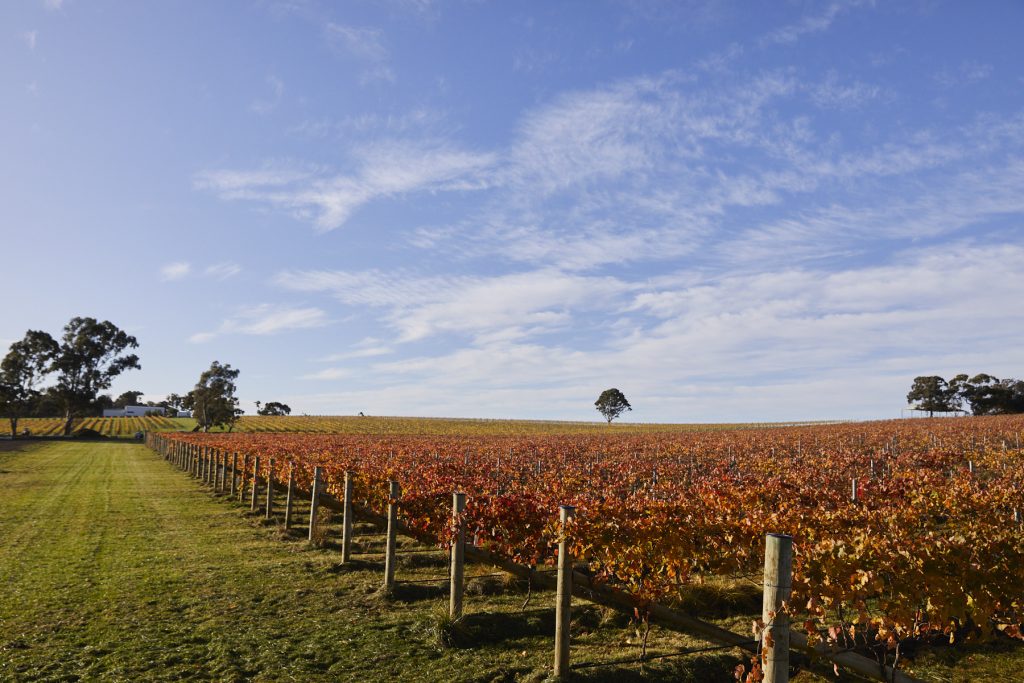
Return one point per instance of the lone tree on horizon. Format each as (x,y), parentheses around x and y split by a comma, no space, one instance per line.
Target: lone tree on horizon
(612,403)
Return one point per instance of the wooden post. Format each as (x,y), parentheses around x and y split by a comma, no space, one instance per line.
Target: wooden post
(314,504)
(270,489)
(458,556)
(255,482)
(389,553)
(853,490)
(970,466)
(289,496)
(563,594)
(218,472)
(778,584)
(234,470)
(346,519)
(241,478)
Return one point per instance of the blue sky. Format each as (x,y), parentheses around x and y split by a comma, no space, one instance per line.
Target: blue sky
(731,211)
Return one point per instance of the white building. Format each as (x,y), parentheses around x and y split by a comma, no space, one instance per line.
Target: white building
(133,411)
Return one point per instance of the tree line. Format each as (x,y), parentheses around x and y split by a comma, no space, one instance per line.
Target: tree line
(984,394)
(42,377)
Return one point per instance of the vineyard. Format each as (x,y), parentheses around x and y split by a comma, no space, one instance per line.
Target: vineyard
(904,532)
(126,427)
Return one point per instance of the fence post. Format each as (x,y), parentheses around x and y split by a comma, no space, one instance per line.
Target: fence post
(219,470)
(314,504)
(563,594)
(458,556)
(778,583)
(255,482)
(270,489)
(241,478)
(389,554)
(853,490)
(346,521)
(288,496)
(234,474)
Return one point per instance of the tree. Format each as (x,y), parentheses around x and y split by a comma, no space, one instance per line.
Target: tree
(22,369)
(273,408)
(934,394)
(128,398)
(988,395)
(90,356)
(612,403)
(213,400)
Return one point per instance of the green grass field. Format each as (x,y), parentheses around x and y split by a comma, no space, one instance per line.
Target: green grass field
(117,567)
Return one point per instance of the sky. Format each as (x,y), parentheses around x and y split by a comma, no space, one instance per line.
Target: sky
(730,211)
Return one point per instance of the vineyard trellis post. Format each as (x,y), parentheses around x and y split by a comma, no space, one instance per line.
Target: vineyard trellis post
(241,478)
(346,519)
(458,556)
(778,584)
(234,470)
(289,496)
(395,493)
(314,503)
(270,489)
(255,482)
(563,593)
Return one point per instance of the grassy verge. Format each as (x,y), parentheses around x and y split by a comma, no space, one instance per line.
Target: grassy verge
(117,567)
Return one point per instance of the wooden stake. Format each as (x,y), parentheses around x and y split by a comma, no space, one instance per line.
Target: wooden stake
(288,496)
(255,482)
(778,584)
(853,490)
(314,504)
(563,595)
(458,556)
(346,519)
(389,555)
(234,470)
(270,489)
(241,480)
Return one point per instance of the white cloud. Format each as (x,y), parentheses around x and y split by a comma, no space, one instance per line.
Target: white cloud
(175,271)
(329,374)
(506,306)
(53,5)
(809,24)
(222,271)
(266,319)
(31,38)
(366,45)
(384,170)
(792,344)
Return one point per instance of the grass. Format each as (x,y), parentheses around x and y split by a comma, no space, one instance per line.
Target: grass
(117,567)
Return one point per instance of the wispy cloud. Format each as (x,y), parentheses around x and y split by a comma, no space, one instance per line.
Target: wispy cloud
(223,271)
(807,25)
(328,374)
(967,72)
(384,170)
(53,5)
(30,38)
(506,306)
(266,319)
(175,271)
(365,45)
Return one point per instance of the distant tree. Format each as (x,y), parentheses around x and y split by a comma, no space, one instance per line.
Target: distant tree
(48,403)
(90,356)
(612,403)
(988,395)
(22,369)
(212,401)
(102,402)
(273,408)
(128,398)
(934,394)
